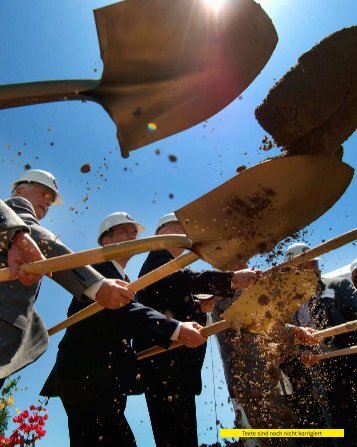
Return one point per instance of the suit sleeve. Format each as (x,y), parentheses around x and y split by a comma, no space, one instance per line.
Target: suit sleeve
(187,281)
(76,280)
(147,323)
(10,223)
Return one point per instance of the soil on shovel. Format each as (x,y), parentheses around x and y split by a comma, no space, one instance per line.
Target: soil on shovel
(313,108)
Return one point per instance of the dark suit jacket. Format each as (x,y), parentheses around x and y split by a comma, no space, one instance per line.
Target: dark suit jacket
(10,223)
(342,308)
(23,336)
(95,355)
(174,295)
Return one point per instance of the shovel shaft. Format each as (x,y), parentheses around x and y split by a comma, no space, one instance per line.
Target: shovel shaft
(321,249)
(211,329)
(215,328)
(161,272)
(313,359)
(336,330)
(16,95)
(155,350)
(102,254)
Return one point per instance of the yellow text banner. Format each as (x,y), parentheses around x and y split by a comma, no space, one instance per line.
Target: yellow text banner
(281,433)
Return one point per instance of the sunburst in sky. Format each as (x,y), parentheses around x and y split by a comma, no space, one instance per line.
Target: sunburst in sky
(216,5)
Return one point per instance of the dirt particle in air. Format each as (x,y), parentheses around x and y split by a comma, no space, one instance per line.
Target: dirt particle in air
(267,144)
(241,169)
(85,168)
(172,158)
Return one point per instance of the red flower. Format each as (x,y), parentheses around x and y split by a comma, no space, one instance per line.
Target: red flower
(30,427)
(18,418)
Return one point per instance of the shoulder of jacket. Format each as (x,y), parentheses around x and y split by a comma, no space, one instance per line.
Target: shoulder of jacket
(19,201)
(340,284)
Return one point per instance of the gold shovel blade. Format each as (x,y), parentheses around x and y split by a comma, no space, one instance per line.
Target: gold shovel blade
(262,205)
(170,64)
(272,300)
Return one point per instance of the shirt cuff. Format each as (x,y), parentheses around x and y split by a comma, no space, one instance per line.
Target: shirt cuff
(176,332)
(92,290)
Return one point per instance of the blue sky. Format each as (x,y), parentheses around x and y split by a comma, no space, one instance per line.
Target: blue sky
(57,40)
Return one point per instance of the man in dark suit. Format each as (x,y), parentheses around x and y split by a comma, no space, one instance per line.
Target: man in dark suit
(174,378)
(23,336)
(96,366)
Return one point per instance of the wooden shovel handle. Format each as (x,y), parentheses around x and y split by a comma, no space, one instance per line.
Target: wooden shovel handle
(319,250)
(146,280)
(155,350)
(101,254)
(206,331)
(309,359)
(15,95)
(336,330)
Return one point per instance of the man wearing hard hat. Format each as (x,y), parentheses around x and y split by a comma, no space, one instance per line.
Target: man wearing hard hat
(334,380)
(174,378)
(20,247)
(23,336)
(96,367)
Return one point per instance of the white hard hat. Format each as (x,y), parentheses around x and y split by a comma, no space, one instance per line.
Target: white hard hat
(43,178)
(296,249)
(117,218)
(353,265)
(170,217)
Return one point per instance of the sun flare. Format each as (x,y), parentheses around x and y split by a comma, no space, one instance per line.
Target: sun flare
(216,5)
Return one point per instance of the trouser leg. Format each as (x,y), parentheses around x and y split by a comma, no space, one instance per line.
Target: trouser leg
(173,418)
(101,423)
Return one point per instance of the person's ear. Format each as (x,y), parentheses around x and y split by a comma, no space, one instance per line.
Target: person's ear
(19,191)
